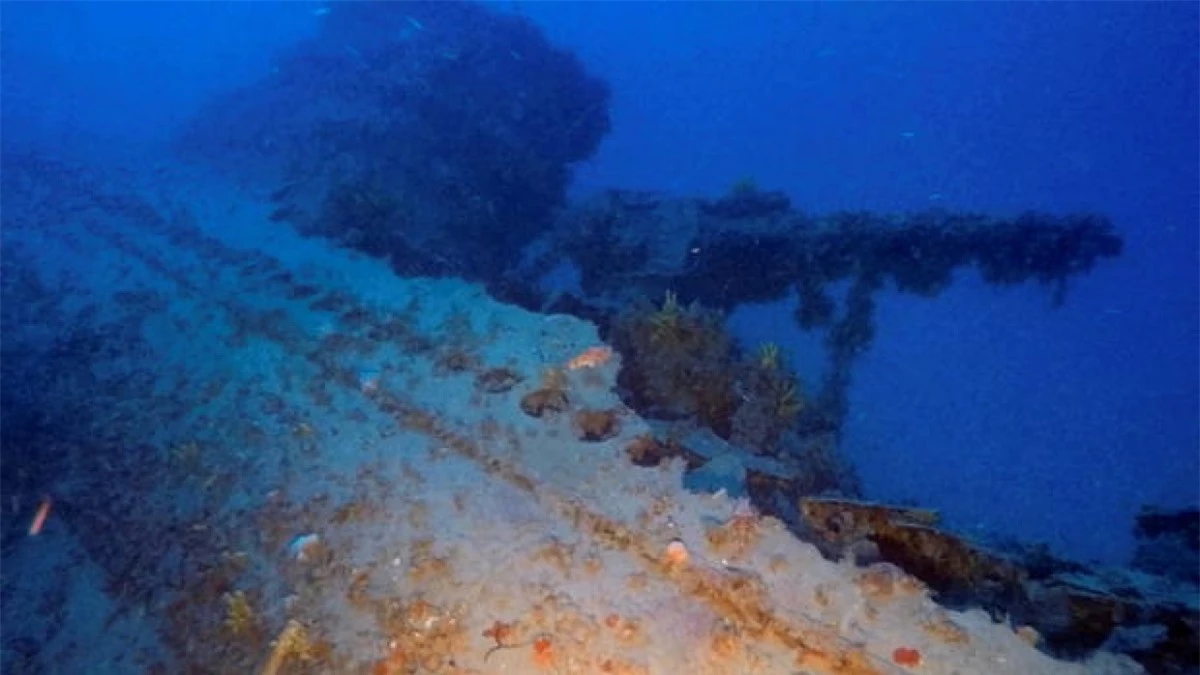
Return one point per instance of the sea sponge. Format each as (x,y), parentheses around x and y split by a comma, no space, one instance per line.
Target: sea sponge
(550,397)
(597,425)
(645,450)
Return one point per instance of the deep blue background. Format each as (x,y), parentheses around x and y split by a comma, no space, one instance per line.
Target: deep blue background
(1056,424)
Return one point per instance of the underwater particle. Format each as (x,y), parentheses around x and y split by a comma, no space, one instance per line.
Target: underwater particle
(591,357)
(676,554)
(39,518)
(907,657)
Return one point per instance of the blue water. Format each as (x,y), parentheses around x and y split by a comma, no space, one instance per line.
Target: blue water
(1008,414)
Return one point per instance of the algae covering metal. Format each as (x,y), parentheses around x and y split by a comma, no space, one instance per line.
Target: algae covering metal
(282,459)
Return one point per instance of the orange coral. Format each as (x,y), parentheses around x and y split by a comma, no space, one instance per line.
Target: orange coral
(396,662)
(591,358)
(677,554)
(543,652)
(906,656)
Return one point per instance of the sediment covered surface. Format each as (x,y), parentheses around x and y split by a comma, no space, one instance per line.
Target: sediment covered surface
(273,456)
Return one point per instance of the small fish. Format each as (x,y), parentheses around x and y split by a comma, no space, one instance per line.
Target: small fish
(320,11)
